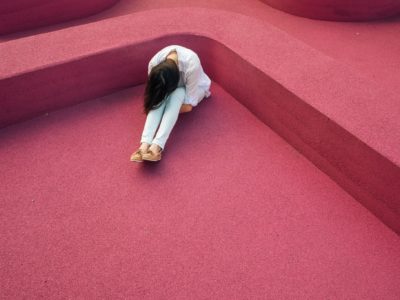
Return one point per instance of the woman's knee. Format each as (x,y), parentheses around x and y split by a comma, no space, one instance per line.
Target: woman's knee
(179,93)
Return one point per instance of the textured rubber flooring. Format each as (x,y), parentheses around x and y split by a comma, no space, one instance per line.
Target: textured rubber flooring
(370,47)
(231,212)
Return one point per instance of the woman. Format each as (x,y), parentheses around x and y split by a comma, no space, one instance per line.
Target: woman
(176,83)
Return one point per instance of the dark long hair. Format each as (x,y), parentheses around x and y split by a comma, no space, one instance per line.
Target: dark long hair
(162,81)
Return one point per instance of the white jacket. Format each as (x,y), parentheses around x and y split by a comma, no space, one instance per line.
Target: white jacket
(192,76)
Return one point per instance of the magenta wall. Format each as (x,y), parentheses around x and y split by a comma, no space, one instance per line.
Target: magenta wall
(17,15)
(339,10)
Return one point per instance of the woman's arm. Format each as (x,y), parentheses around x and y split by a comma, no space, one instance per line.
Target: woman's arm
(185,108)
(193,77)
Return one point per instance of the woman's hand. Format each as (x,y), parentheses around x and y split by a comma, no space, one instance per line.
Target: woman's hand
(185,108)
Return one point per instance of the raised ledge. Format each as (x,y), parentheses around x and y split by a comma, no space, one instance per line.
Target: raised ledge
(18,15)
(339,10)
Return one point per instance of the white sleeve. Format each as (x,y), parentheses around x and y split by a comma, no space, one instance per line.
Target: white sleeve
(150,66)
(153,62)
(193,76)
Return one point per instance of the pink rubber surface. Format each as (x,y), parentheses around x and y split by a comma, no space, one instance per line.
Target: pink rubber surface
(231,211)
(370,47)
(339,10)
(18,15)
(342,121)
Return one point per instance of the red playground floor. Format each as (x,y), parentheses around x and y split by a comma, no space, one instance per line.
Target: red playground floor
(284,184)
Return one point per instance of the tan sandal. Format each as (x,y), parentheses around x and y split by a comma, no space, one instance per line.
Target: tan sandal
(137,156)
(151,156)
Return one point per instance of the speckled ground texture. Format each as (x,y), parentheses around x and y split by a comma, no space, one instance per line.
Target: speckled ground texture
(236,209)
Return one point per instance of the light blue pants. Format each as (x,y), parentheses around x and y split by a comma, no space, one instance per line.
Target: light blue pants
(164,118)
